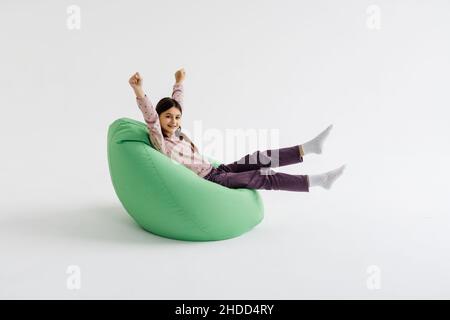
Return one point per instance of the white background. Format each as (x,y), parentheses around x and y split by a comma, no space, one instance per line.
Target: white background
(291,66)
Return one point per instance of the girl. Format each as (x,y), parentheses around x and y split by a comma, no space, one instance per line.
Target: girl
(251,171)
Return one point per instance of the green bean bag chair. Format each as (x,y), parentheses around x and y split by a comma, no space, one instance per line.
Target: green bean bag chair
(170,200)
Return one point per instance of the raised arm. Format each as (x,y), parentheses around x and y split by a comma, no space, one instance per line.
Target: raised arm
(178,89)
(148,111)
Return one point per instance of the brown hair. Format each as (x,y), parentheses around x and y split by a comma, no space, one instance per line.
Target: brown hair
(165,104)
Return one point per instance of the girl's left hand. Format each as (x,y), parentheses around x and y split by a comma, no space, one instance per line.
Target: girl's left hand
(180,75)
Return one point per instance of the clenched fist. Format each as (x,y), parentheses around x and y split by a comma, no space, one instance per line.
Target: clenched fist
(180,75)
(136,80)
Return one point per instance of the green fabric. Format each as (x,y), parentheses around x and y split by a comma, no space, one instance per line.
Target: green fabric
(170,200)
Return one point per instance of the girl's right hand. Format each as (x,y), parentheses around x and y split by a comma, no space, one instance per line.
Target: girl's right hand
(136,81)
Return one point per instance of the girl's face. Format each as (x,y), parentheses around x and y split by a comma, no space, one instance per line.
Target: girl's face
(170,121)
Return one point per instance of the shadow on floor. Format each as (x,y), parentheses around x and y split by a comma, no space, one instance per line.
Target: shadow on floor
(95,223)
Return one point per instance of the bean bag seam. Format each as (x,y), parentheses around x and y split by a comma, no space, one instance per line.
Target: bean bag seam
(120,123)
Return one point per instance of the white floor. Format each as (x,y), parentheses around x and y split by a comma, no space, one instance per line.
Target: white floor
(315,245)
(382,232)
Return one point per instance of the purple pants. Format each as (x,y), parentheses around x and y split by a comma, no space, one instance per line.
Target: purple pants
(252,171)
